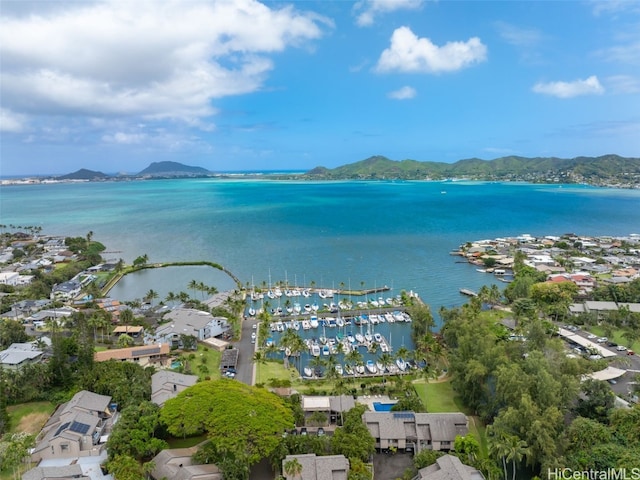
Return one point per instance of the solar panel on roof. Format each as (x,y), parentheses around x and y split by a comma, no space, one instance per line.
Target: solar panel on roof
(403,415)
(78,427)
(61,428)
(146,351)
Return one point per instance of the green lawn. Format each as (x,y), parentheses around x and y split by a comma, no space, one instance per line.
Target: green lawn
(440,397)
(616,337)
(29,417)
(185,442)
(268,370)
(205,357)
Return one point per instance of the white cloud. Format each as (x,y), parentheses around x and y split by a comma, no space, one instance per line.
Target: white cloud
(623,84)
(370,9)
(589,86)
(519,36)
(144,59)
(408,53)
(404,93)
(11,121)
(628,53)
(123,138)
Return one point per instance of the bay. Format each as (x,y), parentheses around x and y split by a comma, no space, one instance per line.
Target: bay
(355,233)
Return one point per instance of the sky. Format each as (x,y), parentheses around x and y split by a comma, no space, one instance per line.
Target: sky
(236,85)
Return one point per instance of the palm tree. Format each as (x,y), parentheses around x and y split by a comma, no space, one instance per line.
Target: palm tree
(150,296)
(516,449)
(498,447)
(293,468)
(193,285)
(385,359)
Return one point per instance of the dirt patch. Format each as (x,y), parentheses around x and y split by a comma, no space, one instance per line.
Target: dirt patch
(32,423)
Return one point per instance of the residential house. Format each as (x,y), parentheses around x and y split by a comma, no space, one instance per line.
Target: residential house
(166,384)
(132,330)
(415,431)
(76,429)
(64,472)
(189,322)
(331,406)
(66,291)
(328,467)
(449,467)
(9,278)
(144,355)
(176,464)
(17,355)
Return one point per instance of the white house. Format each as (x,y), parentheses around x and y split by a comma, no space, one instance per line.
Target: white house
(9,278)
(188,321)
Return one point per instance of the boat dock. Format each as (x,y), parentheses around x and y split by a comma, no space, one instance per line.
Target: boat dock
(468,292)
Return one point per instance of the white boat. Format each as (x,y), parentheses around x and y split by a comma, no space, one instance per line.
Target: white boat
(384,347)
(339,322)
(350,337)
(360,369)
(306,293)
(314,322)
(315,349)
(287,351)
(374,302)
(359,338)
(389,318)
(377,337)
(323,339)
(315,307)
(348,369)
(368,337)
(307,308)
(371,367)
(295,292)
(252,312)
(393,368)
(306,325)
(277,292)
(380,366)
(339,369)
(325,350)
(271,295)
(308,372)
(297,308)
(402,365)
(296,325)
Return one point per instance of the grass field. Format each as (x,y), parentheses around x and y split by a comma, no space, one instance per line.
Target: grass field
(29,417)
(267,371)
(186,442)
(439,397)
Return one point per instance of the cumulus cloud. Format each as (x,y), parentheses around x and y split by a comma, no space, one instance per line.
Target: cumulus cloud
(144,59)
(367,10)
(10,121)
(408,53)
(404,93)
(589,86)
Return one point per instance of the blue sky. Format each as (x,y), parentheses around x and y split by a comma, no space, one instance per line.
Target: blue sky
(244,85)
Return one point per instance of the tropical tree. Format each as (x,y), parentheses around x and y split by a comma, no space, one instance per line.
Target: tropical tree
(293,468)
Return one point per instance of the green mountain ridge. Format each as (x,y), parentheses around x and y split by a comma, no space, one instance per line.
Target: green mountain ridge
(83,174)
(172,168)
(605,168)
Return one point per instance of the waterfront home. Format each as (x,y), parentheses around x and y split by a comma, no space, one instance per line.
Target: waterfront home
(188,322)
(331,406)
(411,431)
(76,429)
(177,463)
(327,467)
(144,355)
(448,467)
(66,291)
(167,384)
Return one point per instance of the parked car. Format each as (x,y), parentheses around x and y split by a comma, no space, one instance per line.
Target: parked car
(591,336)
(630,352)
(602,339)
(621,348)
(303,431)
(320,431)
(253,335)
(612,344)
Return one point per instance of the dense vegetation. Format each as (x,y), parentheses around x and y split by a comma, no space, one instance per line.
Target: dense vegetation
(609,169)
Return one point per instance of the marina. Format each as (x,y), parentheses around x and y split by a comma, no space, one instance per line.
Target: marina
(351,333)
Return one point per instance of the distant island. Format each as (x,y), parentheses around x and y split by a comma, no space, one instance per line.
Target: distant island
(606,170)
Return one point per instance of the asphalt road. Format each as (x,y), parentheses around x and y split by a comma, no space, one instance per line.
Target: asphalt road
(246,349)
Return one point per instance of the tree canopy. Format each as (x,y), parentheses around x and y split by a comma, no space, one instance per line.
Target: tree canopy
(240,419)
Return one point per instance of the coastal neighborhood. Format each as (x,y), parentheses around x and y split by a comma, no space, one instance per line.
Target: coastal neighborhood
(583,292)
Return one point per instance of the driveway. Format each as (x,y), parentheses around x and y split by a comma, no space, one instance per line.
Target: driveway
(246,349)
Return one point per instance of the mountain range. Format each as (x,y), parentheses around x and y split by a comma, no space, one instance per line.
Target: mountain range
(603,170)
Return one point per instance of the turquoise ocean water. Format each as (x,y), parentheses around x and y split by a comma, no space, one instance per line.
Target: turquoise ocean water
(381,233)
